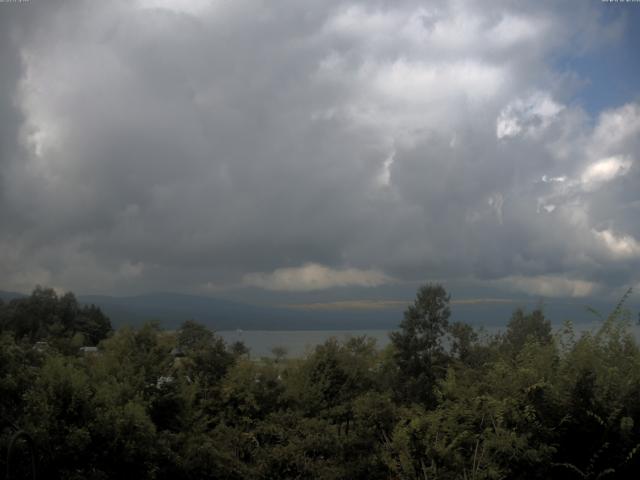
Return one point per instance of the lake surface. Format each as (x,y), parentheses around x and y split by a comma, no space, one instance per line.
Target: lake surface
(299,342)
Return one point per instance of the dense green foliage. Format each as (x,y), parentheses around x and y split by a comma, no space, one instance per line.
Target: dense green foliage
(45,316)
(443,401)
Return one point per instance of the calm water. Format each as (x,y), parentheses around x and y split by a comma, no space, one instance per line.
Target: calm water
(299,342)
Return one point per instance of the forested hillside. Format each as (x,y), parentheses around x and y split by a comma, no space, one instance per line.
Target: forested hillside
(443,401)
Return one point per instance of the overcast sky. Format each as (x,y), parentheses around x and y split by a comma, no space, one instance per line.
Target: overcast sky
(206,146)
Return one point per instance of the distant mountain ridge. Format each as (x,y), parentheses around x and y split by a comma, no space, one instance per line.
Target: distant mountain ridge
(171,309)
(8,296)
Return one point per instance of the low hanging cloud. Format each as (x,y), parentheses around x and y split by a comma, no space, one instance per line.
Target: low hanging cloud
(554,286)
(312,276)
(623,247)
(605,170)
(161,145)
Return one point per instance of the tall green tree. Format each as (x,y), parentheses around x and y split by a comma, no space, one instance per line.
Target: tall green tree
(527,326)
(419,353)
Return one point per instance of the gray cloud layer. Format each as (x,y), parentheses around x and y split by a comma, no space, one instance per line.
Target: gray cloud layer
(199,145)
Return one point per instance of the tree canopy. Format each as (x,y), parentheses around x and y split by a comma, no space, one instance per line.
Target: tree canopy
(441,401)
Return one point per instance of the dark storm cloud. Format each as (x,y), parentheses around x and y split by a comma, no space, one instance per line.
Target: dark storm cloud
(202,145)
